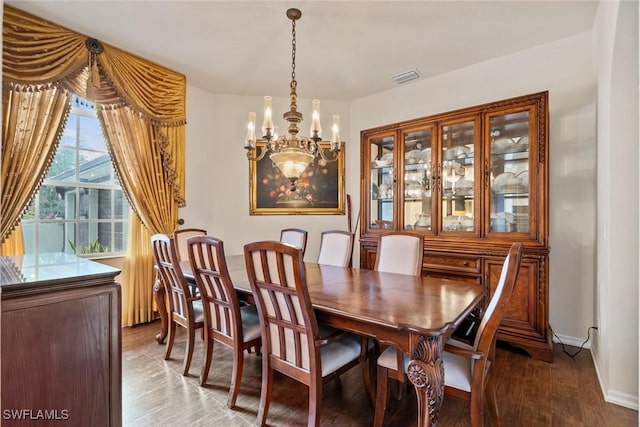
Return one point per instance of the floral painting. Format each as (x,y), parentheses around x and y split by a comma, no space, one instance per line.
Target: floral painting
(319,190)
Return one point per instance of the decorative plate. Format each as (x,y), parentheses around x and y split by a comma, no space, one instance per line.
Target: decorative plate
(459,152)
(510,145)
(425,156)
(385,160)
(412,156)
(508,182)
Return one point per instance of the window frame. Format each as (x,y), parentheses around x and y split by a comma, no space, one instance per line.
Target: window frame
(82,108)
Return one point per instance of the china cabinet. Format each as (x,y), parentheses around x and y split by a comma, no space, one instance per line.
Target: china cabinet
(472,181)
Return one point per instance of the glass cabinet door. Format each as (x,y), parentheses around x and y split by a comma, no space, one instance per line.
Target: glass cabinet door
(457,177)
(417,179)
(509,172)
(382,182)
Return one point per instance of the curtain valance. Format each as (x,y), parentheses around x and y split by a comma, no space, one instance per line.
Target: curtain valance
(38,52)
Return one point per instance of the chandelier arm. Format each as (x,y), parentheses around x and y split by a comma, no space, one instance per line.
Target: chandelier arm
(328,159)
(303,143)
(261,152)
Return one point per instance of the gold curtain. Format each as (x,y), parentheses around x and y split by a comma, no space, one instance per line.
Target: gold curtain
(33,120)
(14,245)
(141,108)
(137,306)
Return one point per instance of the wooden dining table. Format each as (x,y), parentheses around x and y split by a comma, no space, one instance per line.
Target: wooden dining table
(417,314)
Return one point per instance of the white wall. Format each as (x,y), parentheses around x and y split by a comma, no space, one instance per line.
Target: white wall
(616,347)
(565,69)
(217,171)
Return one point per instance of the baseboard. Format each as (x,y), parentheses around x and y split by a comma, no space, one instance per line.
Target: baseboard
(572,341)
(621,399)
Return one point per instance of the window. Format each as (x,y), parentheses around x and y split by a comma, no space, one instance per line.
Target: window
(80,208)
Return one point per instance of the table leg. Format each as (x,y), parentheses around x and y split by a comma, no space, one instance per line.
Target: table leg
(159,297)
(426,373)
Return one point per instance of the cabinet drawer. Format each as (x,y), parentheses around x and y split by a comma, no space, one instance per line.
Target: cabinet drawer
(476,279)
(452,263)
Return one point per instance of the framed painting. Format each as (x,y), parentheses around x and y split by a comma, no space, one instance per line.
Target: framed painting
(319,190)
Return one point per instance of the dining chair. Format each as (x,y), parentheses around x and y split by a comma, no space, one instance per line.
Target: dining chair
(467,368)
(291,336)
(336,248)
(185,310)
(225,320)
(295,237)
(400,252)
(181,236)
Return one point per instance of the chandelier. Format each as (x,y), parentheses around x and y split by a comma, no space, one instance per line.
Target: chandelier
(292,153)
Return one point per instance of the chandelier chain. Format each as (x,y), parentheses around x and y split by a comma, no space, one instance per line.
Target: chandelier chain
(293,52)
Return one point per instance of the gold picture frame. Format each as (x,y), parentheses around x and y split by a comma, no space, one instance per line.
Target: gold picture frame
(319,191)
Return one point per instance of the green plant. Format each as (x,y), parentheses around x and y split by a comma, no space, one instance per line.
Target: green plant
(92,248)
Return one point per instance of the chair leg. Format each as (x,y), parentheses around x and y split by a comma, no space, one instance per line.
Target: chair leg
(477,409)
(382,396)
(208,357)
(492,402)
(368,364)
(398,389)
(172,335)
(315,402)
(236,376)
(188,352)
(265,392)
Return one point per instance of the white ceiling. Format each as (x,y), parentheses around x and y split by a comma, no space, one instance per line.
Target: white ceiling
(346,49)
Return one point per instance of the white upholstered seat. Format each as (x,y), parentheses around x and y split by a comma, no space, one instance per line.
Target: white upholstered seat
(295,237)
(336,248)
(400,253)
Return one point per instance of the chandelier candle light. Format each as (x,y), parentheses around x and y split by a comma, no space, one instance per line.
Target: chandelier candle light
(292,153)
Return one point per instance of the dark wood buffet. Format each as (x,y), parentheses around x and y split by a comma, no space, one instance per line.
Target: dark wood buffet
(61,341)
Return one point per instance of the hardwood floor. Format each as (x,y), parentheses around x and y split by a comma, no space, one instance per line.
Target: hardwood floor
(530,393)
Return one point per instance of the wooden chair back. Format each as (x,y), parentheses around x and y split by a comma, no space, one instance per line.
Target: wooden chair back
(400,253)
(224,320)
(290,334)
(181,304)
(278,282)
(336,248)
(166,257)
(486,336)
(181,236)
(219,299)
(295,237)
(482,353)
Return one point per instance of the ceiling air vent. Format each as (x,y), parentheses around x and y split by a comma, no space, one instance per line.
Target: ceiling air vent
(406,76)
